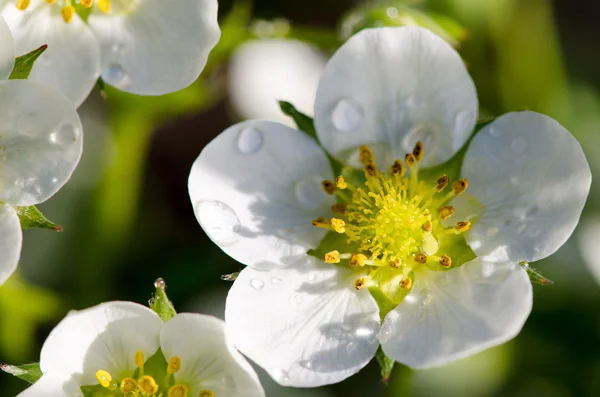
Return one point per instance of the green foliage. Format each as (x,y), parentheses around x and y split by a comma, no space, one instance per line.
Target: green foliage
(303,122)
(28,372)
(385,363)
(31,217)
(24,63)
(160,303)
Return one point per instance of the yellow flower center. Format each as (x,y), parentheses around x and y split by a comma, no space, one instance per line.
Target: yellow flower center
(68,10)
(393,223)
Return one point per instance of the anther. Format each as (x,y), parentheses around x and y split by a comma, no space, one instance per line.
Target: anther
(357,260)
(67,13)
(395,263)
(339,208)
(206,393)
(460,186)
(174,365)
(104,5)
(418,151)
(338,225)
(462,226)
(366,155)
(332,257)
(105,379)
(421,258)
(409,159)
(406,283)
(148,385)
(371,170)
(178,391)
(128,385)
(22,4)
(50,1)
(328,186)
(139,359)
(340,182)
(442,182)
(321,222)
(86,3)
(445,261)
(360,283)
(427,227)
(397,168)
(446,212)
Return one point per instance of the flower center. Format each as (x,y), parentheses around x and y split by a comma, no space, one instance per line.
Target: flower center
(393,223)
(151,383)
(68,10)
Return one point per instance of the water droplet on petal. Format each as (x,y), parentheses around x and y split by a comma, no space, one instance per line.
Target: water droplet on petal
(309,192)
(519,145)
(219,222)
(425,296)
(463,121)
(117,47)
(257,284)
(249,140)
(492,231)
(114,74)
(312,277)
(279,374)
(276,280)
(494,132)
(351,347)
(348,115)
(64,134)
(228,382)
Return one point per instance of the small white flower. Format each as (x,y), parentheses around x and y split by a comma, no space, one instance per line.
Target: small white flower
(146,47)
(40,145)
(120,348)
(423,266)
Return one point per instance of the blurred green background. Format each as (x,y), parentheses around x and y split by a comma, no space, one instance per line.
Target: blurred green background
(127,219)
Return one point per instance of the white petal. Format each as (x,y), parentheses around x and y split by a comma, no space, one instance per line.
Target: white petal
(7,51)
(104,337)
(10,241)
(53,385)
(451,315)
(159,47)
(306,324)
(208,362)
(41,141)
(389,88)
(72,61)
(532,179)
(255,190)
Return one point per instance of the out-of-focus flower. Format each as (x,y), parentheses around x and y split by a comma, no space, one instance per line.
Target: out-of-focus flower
(40,145)
(589,245)
(146,47)
(396,255)
(263,72)
(123,349)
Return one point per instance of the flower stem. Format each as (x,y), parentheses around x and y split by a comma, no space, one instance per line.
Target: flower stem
(400,384)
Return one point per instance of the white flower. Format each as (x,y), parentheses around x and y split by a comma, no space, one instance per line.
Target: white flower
(146,47)
(40,145)
(394,252)
(119,348)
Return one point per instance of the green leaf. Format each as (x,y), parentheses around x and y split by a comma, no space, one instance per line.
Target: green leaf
(24,63)
(31,217)
(160,303)
(385,363)
(28,372)
(303,122)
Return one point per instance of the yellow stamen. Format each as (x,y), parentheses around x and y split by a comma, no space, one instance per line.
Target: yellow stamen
(460,186)
(360,283)
(128,385)
(339,208)
(410,160)
(206,393)
(463,226)
(338,225)
(395,263)
(446,212)
(445,261)
(397,168)
(358,260)
(328,186)
(366,155)
(50,1)
(86,3)
(371,170)
(427,226)
(321,222)
(104,5)
(148,385)
(418,151)
(332,257)
(178,391)
(22,4)
(174,365)
(105,379)
(406,283)
(139,359)
(67,13)
(442,182)
(421,258)
(340,182)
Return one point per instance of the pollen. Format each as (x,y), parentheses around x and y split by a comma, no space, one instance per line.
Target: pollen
(406,283)
(397,168)
(395,263)
(104,6)
(86,3)
(67,13)
(148,385)
(22,4)
(128,385)
(418,151)
(332,257)
(410,160)
(371,170)
(460,186)
(421,258)
(360,283)
(321,222)
(357,260)
(178,391)
(427,226)
(366,155)
(139,359)
(206,393)
(445,261)
(441,183)
(174,365)
(446,212)
(339,208)
(106,380)
(50,1)
(328,186)
(338,225)
(462,226)
(340,182)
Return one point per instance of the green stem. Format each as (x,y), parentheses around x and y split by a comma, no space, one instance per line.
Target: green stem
(400,384)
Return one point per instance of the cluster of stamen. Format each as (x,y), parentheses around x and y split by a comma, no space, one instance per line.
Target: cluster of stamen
(144,385)
(392,219)
(68,10)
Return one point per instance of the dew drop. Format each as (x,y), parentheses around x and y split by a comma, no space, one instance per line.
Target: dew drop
(425,296)
(64,134)
(463,121)
(494,132)
(309,192)
(421,132)
(519,145)
(114,74)
(312,277)
(228,382)
(249,140)
(257,284)
(160,283)
(492,231)
(117,47)
(306,364)
(279,375)
(276,280)
(348,115)
(219,221)
(351,347)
